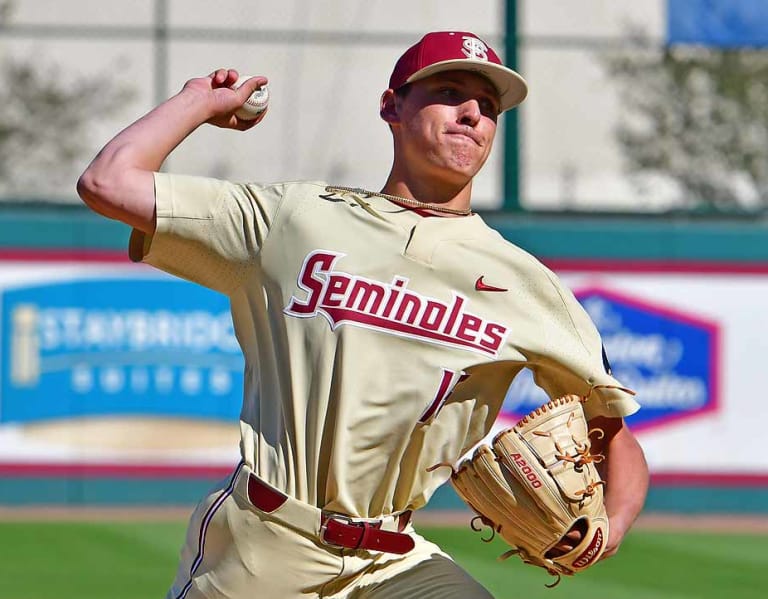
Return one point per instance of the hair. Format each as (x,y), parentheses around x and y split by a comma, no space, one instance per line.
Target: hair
(402,91)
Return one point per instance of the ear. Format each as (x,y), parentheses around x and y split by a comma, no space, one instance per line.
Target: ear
(388,107)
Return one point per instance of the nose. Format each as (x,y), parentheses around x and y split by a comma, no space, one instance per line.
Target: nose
(470,113)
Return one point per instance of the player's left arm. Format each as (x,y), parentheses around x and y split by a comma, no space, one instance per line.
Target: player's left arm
(625,473)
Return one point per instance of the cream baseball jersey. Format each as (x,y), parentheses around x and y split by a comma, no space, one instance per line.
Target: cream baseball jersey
(378,342)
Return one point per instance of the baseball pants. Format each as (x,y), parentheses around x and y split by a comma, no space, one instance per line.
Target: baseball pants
(235,550)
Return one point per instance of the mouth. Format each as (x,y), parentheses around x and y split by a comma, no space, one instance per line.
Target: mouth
(467,133)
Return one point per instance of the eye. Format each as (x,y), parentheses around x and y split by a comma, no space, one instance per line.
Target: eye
(489,106)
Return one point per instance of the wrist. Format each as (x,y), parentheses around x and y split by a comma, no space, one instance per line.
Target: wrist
(196,104)
(619,525)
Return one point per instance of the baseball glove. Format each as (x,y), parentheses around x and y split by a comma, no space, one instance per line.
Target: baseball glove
(535,483)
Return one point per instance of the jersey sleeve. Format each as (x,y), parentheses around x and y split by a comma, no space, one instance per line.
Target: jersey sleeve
(207,231)
(576,362)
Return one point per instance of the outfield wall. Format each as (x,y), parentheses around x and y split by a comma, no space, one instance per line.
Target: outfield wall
(108,366)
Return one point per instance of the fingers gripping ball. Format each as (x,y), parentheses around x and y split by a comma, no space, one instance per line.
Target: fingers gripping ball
(256,103)
(537,483)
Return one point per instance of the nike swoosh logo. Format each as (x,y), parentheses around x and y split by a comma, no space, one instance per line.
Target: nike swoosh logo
(481,286)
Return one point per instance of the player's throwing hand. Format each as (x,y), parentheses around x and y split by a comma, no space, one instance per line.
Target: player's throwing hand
(223,100)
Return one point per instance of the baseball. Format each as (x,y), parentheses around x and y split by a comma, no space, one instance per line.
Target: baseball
(255,104)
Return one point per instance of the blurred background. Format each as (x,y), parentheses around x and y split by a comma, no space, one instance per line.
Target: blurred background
(637,169)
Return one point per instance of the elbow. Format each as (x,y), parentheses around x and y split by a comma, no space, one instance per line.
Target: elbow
(97,190)
(91,189)
(114,186)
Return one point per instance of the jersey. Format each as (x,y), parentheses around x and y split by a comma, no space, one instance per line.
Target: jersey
(378,341)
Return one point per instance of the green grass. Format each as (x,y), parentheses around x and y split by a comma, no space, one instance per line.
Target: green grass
(94,560)
(137,560)
(650,565)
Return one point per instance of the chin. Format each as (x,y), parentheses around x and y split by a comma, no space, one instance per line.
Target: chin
(466,168)
(458,177)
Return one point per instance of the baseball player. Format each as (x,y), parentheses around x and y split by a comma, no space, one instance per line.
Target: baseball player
(380,329)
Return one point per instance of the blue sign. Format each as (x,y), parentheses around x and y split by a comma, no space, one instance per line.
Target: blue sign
(722,23)
(129,346)
(670,359)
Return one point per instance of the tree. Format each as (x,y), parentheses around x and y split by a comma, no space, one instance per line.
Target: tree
(698,118)
(45,115)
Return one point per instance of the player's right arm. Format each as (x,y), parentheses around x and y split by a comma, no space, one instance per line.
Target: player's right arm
(119,182)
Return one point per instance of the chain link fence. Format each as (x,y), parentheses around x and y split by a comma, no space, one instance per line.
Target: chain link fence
(328,64)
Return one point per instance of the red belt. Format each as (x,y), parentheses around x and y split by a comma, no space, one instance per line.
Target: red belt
(338,530)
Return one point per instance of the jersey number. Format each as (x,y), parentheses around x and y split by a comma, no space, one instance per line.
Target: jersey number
(448,382)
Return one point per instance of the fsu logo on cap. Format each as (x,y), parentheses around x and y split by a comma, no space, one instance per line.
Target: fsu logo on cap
(458,50)
(474,49)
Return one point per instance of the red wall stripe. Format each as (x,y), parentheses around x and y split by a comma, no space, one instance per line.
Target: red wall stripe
(655,266)
(69,255)
(39,470)
(29,470)
(557,264)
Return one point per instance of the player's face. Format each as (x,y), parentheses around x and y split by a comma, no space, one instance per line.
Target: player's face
(448,123)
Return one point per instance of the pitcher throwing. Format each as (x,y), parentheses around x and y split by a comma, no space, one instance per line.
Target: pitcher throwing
(381,331)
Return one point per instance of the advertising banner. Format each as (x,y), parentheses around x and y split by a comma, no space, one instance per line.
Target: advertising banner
(115,362)
(690,341)
(119,364)
(669,358)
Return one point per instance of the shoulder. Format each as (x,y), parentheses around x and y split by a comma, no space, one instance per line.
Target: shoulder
(292,186)
(271,197)
(516,257)
(287,191)
(174,184)
(280,188)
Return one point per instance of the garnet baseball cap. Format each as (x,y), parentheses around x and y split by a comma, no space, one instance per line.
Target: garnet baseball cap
(463,51)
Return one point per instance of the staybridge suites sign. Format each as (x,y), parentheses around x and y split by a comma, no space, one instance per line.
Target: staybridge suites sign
(106,346)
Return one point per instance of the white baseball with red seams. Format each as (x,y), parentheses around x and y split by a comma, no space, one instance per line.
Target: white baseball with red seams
(256,103)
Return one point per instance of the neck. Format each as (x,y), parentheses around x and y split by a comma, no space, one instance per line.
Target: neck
(430,192)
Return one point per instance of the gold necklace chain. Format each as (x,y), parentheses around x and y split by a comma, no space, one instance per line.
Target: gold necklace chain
(401,200)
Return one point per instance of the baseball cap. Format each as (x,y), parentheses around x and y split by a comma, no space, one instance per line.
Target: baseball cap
(463,51)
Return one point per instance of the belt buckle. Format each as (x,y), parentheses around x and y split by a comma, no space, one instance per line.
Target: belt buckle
(339,518)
